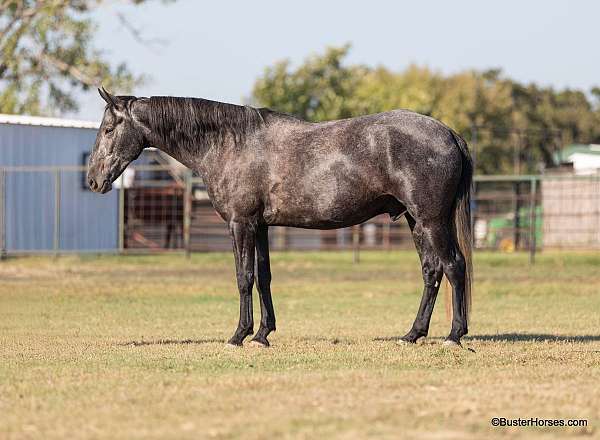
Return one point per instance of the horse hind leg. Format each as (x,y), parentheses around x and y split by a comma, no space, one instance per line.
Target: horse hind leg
(263,284)
(455,271)
(453,263)
(432,270)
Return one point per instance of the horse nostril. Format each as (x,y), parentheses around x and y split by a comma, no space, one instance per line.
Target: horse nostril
(92,183)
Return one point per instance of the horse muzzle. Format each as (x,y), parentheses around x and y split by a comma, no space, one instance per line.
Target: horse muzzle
(99,184)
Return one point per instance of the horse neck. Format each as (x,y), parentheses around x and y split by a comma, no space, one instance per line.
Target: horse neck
(188,129)
(190,152)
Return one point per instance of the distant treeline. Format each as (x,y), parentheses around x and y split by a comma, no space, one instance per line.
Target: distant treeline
(516,127)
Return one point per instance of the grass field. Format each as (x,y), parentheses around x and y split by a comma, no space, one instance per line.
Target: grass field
(133,347)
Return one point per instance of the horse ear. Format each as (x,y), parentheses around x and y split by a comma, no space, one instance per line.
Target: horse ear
(110,99)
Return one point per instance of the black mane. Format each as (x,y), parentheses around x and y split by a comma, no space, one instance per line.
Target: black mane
(178,120)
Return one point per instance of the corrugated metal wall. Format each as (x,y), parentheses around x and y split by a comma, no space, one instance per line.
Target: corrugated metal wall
(88,221)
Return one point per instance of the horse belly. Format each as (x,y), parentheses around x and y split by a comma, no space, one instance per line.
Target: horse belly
(314,205)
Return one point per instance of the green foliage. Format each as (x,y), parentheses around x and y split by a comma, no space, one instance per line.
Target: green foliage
(518,126)
(46,54)
(317,90)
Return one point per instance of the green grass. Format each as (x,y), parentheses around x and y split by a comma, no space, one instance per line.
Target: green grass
(133,347)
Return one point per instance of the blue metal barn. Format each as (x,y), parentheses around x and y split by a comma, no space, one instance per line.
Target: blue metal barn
(86,221)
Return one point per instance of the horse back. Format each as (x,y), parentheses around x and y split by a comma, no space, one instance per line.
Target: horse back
(338,173)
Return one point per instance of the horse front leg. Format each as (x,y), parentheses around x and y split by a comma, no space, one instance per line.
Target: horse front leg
(263,282)
(432,276)
(243,237)
(432,271)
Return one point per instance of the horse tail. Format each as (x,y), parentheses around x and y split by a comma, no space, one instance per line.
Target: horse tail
(462,218)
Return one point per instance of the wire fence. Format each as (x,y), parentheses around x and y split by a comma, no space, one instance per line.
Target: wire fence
(159,209)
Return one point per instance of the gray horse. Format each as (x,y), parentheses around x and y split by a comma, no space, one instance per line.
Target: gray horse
(263,168)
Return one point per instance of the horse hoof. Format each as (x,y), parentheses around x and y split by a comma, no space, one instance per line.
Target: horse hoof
(260,344)
(405,342)
(409,341)
(449,343)
(230,346)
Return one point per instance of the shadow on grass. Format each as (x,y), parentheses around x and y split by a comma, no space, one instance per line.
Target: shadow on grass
(171,342)
(388,338)
(332,341)
(422,341)
(533,337)
(512,337)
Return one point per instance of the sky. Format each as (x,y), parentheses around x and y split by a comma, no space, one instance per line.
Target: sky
(216,49)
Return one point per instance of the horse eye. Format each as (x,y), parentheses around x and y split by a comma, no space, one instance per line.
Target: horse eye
(109,129)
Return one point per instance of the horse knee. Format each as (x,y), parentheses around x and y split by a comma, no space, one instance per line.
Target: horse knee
(432,272)
(245,282)
(455,270)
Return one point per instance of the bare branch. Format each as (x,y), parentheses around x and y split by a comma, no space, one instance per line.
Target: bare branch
(70,70)
(137,34)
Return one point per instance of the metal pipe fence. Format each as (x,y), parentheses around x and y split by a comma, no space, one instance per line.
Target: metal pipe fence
(50,210)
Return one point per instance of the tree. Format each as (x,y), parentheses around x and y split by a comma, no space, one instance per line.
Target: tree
(517,126)
(317,90)
(46,54)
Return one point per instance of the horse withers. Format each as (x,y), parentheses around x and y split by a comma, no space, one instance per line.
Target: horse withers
(263,168)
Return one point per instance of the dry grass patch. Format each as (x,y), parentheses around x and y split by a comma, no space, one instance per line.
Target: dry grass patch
(132,347)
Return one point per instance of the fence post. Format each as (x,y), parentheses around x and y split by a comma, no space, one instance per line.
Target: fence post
(56,241)
(356,243)
(187,212)
(387,230)
(281,238)
(532,219)
(285,238)
(121,238)
(517,214)
(2,214)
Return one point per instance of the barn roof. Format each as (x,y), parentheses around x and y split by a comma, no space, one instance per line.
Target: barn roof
(581,148)
(47,122)
(565,155)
